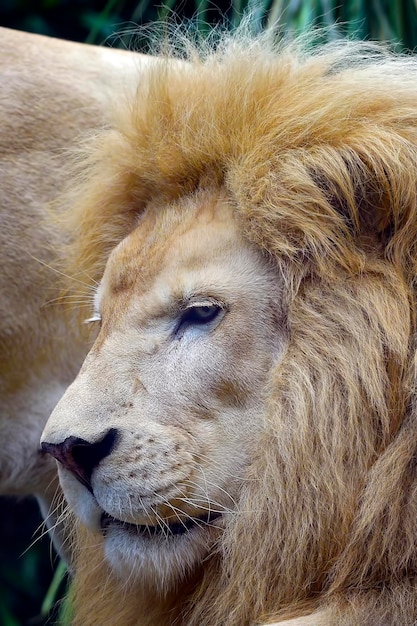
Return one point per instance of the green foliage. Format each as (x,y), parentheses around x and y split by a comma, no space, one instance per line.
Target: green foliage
(95,21)
(26,565)
(379,20)
(26,575)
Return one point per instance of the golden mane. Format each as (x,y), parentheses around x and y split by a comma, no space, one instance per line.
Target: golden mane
(318,153)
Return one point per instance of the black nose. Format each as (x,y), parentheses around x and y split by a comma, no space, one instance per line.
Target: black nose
(80,456)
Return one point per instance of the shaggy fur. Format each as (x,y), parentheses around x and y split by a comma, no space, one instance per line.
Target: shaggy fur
(318,154)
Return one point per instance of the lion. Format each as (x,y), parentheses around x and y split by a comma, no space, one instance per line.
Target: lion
(239,445)
(52,93)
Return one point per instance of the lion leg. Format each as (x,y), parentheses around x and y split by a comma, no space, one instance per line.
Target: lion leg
(24,470)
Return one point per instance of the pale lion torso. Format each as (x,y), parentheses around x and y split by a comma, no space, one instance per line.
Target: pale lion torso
(52,93)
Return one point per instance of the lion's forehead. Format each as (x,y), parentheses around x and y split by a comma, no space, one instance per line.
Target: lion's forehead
(174,250)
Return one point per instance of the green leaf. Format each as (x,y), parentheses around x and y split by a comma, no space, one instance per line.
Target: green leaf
(52,594)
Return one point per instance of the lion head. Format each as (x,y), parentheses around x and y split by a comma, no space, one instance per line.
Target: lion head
(240,442)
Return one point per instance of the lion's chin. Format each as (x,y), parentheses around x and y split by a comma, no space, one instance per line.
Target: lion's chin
(159,556)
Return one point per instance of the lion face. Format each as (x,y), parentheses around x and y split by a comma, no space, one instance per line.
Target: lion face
(154,435)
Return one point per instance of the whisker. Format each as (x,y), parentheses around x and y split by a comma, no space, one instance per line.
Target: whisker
(43,529)
(222,471)
(60,273)
(71,305)
(176,512)
(207,506)
(216,487)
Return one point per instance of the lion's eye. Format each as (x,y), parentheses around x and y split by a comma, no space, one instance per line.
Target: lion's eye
(199,315)
(202,314)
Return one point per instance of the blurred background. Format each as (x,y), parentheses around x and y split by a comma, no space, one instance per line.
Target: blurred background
(95,21)
(32,580)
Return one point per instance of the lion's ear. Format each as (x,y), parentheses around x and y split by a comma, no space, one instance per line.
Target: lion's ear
(356,195)
(374,193)
(369,200)
(327,207)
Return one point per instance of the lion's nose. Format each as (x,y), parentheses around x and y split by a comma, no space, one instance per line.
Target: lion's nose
(80,456)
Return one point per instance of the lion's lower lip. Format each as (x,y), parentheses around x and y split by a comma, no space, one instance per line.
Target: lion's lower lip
(177,528)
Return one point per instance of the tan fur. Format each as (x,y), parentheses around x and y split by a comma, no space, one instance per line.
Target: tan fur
(316,156)
(52,92)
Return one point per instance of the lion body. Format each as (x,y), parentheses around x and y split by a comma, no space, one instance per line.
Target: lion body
(273,191)
(52,93)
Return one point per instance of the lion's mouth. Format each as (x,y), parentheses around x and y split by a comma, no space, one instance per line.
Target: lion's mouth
(164,529)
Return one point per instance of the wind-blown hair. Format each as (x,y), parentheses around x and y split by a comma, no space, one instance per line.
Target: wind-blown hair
(317,151)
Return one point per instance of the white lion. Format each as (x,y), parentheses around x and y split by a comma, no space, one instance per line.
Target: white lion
(240,444)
